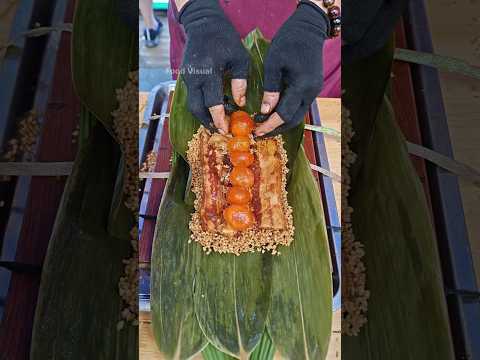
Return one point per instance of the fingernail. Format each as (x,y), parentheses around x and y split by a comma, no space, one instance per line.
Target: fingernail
(265,108)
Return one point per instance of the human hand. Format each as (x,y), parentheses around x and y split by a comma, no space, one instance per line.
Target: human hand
(213,47)
(294,69)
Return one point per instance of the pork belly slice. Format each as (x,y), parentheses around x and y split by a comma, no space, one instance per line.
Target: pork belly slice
(270,213)
(212,150)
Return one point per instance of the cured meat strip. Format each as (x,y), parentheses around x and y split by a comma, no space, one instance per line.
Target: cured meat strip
(213,173)
(271,214)
(256,201)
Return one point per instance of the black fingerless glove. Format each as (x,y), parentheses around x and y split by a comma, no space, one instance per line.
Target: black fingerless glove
(294,64)
(213,47)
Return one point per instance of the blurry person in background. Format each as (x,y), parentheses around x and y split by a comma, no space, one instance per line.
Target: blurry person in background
(152,24)
(304,60)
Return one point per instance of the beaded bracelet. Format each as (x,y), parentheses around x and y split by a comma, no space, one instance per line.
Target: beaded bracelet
(334,14)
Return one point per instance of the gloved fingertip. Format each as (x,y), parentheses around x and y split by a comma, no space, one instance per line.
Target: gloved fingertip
(266,108)
(242,101)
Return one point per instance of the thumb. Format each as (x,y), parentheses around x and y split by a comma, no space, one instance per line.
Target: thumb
(296,120)
(270,100)
(284,116)
(239,91)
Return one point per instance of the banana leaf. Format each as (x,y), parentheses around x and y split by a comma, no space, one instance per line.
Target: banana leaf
(232,295)
(407,317)
(78,304)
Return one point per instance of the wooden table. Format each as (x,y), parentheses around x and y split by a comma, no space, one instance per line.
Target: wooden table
(330,113)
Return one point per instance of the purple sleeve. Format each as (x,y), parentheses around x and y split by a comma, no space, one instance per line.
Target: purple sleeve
(332,68)
(268,16)
(177,39)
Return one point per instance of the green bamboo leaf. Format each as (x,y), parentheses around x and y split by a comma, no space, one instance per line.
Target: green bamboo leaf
(182,125)
(324,130)
(301,311)
(392,222)
(265,349)
(232,299)
(372,72)
(232,294)
(104,51)
(100,65)
(78,304)
(121,219)
(446,63)
(84,259)
(401,256)
(254,36)
(462,170)
(257,46)
(211,353)
(174,260)
(328,173)
(226,287)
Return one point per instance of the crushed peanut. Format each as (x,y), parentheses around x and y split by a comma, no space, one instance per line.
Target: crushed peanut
(23,144)
(150,162)
(75,134)
(126,131)
(354,295)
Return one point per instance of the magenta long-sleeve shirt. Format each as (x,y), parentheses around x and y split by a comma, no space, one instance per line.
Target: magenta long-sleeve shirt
(268,16)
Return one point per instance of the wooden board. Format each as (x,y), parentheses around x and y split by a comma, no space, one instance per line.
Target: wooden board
(142,104)
(458,36)
(335,348)
(330,115)
(7,14)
